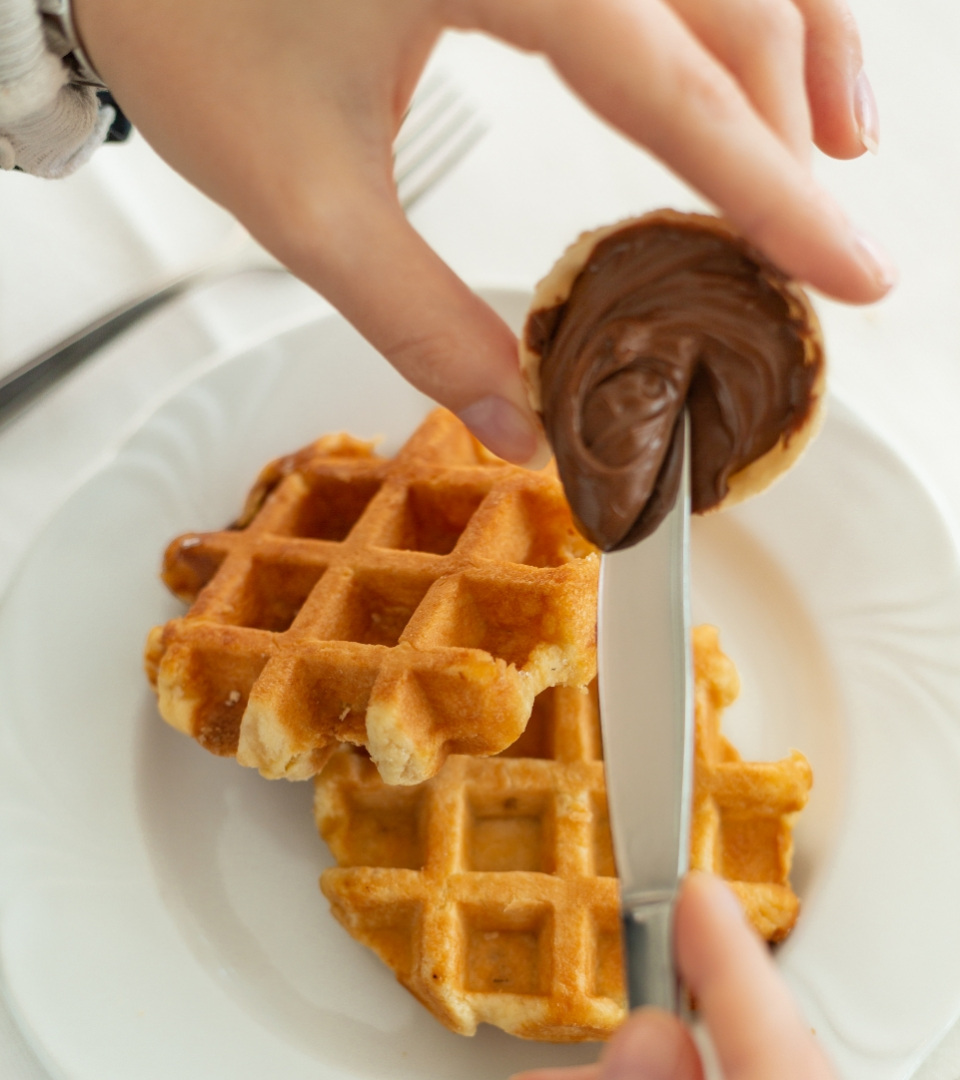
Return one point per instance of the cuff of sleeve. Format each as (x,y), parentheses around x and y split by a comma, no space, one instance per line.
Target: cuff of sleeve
(34,89)
(51,118)
(57,140)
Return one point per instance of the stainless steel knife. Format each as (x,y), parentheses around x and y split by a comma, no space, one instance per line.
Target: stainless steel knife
(646,712)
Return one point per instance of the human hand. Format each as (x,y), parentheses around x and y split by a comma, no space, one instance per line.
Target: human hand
(756,1028)
(285,111)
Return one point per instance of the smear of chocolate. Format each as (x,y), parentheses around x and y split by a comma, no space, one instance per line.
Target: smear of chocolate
(663,317)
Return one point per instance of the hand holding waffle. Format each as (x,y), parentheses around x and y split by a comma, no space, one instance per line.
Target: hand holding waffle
(730,95)
(755,1027)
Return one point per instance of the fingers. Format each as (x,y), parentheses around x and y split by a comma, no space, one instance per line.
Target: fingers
(639,66)
(767,60)
(844,111)
(573,1072)
(651,1045)
(372,265)
(756,1028)
(799,63)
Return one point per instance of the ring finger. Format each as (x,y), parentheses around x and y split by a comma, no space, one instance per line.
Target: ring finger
(767,60)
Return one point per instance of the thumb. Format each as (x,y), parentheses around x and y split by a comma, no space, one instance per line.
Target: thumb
(380,273)
(756,1027)
(652,1045)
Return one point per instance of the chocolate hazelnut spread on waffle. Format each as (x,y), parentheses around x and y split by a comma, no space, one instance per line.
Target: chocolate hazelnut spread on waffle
(668,313)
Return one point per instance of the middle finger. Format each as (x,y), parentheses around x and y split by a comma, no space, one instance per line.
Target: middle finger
(761,43)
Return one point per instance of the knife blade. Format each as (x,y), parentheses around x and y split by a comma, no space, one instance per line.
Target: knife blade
(646,714)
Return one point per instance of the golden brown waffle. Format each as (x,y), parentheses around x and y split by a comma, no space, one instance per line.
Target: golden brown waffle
(491,889)
(743,811)
(414,605)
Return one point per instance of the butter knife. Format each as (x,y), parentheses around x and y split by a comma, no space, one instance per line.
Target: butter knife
(646,713)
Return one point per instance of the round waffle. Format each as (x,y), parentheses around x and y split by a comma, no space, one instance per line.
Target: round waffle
(491,889)
(415,606)
(640,320)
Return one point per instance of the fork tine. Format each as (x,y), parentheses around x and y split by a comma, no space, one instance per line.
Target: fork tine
(438,131)
(417,185)
(427,97)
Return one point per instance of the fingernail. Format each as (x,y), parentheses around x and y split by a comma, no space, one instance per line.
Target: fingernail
(875,260)
(865,113)
(650,1045)
(503,428)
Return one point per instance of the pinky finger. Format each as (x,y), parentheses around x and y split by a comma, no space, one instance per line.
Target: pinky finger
(842,105)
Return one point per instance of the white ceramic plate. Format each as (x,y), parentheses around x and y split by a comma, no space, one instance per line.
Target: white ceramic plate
(159,912)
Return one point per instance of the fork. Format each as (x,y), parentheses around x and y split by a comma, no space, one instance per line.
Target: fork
(438,130)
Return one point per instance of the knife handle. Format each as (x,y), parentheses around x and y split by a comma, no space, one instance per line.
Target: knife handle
(648,950)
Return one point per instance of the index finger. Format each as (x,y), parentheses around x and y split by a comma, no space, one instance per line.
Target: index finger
(638,65)
(756,1027)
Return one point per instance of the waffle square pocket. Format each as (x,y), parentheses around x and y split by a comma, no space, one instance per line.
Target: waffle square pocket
(415,606)
(491,889)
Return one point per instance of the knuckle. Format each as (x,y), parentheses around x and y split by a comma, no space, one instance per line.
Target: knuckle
(309,222)
(778,24)
(425,360)
(706,92)
(291,229)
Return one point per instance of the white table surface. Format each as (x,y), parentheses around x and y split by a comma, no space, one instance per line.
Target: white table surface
(546,170)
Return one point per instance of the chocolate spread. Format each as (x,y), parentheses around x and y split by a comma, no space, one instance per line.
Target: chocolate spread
(662,317)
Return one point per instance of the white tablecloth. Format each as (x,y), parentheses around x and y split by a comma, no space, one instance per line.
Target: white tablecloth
(546,169)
